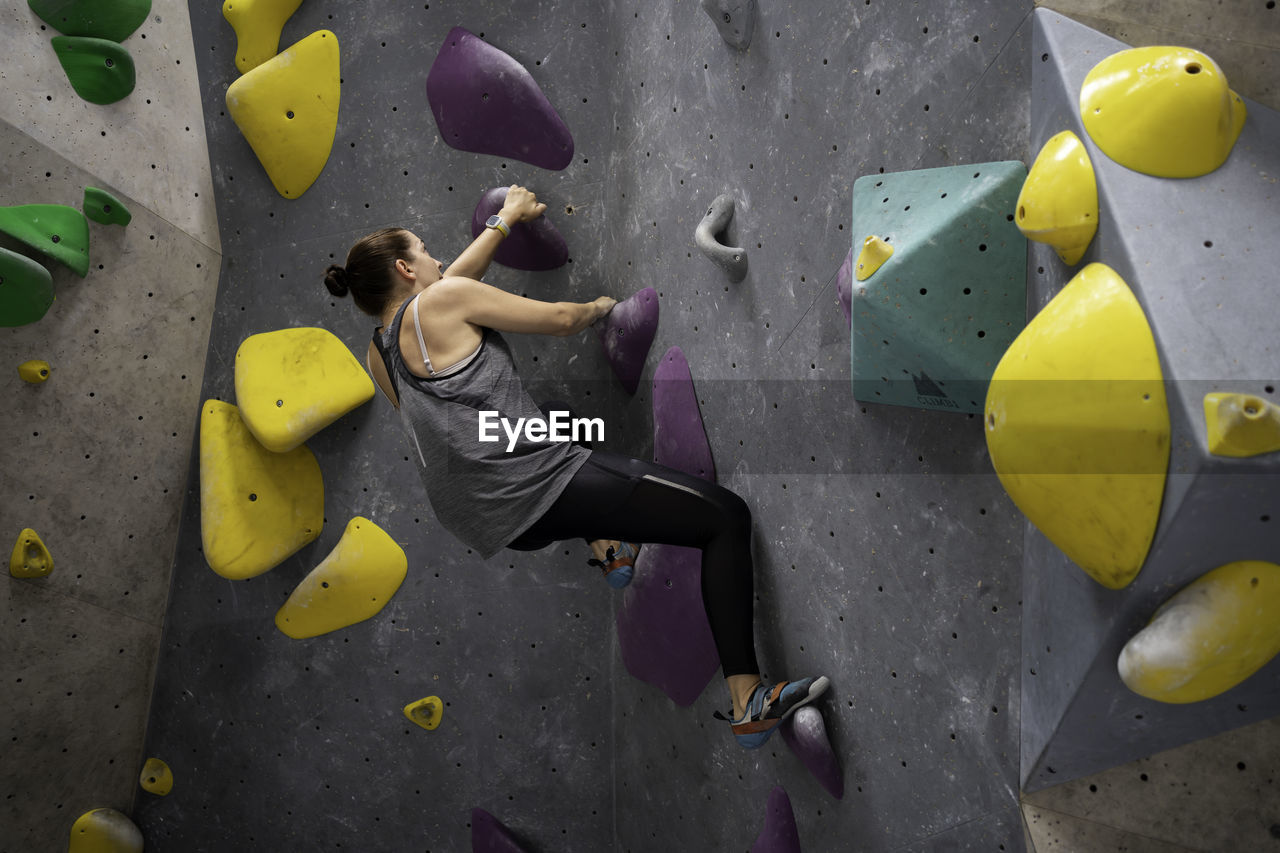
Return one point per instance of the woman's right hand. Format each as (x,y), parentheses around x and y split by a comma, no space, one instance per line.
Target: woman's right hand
(521,205)
(603,304)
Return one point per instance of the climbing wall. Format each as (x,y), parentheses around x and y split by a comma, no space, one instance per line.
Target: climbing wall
(886,553)
(1191,250)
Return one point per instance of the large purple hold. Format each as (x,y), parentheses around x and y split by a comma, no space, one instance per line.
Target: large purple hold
(806,734)
(662,626)
(488,835)
(844,288)
(679,439)
(487,103)
(780,833)
(534,246)
(627,333)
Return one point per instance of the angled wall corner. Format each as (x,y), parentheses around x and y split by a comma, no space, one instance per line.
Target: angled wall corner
(1195,256)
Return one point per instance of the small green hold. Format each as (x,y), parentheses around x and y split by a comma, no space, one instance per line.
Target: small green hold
(100,71)
(26,289)
(102,207)
(113,20)
(56,230)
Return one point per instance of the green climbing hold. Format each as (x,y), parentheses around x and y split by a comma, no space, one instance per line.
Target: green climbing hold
(100,71)
(56,230)
(114,21)
(26,289)
(101,206)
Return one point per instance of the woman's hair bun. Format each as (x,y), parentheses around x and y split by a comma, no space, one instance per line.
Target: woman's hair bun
(335,278)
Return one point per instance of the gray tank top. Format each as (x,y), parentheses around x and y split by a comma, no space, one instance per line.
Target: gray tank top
(480,492)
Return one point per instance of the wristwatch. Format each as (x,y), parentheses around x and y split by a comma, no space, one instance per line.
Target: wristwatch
(495,221)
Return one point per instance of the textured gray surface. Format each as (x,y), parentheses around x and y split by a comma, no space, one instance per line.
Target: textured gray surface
(1191,250)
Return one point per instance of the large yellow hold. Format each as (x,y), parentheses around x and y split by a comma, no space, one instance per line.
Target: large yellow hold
(292,383)
(1163,111)
(354,582)
(105,831)
(1215,633)
(256,507)
(257,24)
(287,109)
(1077,425)
(1058,203)
(30,558)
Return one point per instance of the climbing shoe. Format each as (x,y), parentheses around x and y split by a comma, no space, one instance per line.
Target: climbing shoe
(618,567)
(769,706)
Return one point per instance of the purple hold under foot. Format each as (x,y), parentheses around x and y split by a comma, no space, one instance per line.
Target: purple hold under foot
(486,102)
(663,633)
(488,835)
(534,246)
(806,734)
(627,333)
(780,833)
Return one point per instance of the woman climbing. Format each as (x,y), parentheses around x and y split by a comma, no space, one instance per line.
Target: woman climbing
(451,363)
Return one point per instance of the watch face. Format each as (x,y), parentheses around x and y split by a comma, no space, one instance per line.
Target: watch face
(493,221)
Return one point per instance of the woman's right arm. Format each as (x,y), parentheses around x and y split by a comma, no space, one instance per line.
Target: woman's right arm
(484,305)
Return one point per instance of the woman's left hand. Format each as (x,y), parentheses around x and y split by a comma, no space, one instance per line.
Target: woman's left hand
(520,206)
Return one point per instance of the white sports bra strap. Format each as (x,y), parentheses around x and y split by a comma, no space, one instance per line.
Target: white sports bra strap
(417,324)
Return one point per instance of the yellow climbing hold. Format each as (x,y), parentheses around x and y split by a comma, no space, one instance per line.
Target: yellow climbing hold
(256,507)
(1058,204)
(34,371)
(425,712)
(354,582)
(1163,111)
(287,108)
(257,24)
(292,383)
(1078,429)
(156,777)
(1209,637)
(105,831)
(1241,425)
(30,557)
(873,255)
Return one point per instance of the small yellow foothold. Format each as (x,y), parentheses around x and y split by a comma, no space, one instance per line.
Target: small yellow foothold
(1241,425)
(353,583)
(34,371)
(1162,111)
(873,255)
(156,777)
(1209,637)
(426,712)
(30,558)
(1058,204)
(105,831)
(257,24)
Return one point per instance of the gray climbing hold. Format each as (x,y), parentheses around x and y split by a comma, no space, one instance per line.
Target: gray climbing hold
(729,258)
(735,19)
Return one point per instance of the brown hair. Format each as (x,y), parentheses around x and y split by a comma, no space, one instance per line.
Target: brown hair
(367,276)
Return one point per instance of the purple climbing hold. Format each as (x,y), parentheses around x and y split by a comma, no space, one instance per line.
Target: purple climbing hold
(806,734)
(780,833)
(533,246)
(662,626)
(487,103)
(679,439)
(488,835)
(627,333)
(844,288)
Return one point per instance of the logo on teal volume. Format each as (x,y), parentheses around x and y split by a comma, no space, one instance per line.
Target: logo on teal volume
(930,393)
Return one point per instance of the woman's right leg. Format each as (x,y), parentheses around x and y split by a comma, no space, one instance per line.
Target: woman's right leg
(618,497)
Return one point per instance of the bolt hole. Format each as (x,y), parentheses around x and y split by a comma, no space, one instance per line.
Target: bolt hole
(1193,67)
(289,114)
(252,496)
(110,62)
(1022,211)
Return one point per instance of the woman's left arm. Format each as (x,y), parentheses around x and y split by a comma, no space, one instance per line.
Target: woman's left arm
(520,206)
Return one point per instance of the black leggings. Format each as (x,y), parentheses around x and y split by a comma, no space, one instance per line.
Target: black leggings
(617,497)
